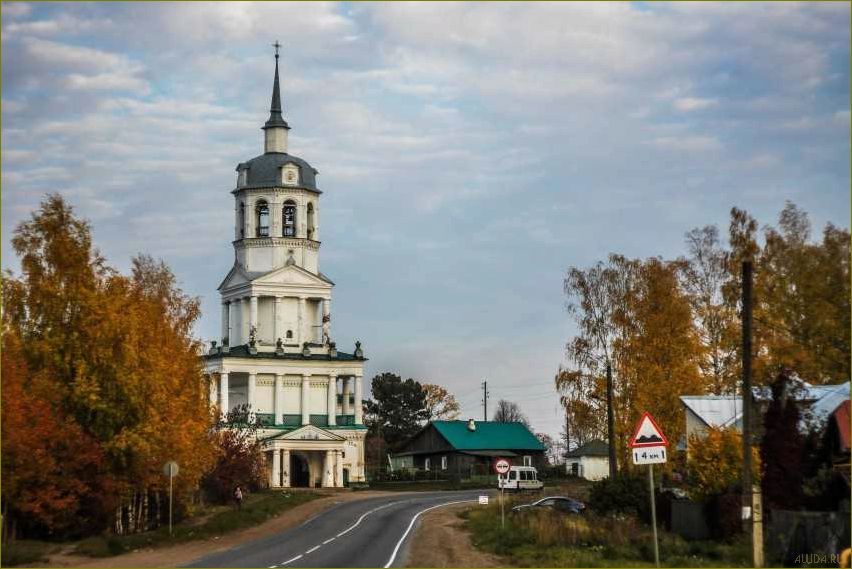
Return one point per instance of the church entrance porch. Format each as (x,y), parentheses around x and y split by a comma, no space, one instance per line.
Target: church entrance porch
(300,474)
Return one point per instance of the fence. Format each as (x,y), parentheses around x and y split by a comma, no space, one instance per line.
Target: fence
(814,539)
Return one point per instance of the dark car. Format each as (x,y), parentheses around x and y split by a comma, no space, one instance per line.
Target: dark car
(559,503)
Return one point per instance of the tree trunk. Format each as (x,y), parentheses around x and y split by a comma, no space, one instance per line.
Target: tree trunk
(144,516)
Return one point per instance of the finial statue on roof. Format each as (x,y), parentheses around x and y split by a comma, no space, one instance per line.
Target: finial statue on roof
(276,45)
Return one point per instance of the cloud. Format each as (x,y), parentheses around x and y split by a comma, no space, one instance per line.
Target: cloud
(16,9)
(687,104)
(688,143)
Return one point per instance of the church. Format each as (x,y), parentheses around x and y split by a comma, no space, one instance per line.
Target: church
(276,352)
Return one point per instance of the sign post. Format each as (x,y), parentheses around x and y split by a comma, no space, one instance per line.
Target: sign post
(648,446)
(170,469)
(501,466)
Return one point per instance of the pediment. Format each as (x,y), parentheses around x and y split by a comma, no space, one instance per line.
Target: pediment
(311,433)
(292,275)
(235,276)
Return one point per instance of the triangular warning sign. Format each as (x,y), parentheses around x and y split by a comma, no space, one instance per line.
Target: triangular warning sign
(647,433)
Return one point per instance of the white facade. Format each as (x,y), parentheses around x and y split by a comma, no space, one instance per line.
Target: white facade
(588,467)
(275,352)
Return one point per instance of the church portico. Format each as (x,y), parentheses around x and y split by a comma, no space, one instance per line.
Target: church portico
(275,354)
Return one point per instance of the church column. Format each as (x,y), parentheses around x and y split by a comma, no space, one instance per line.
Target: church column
(332,400)
(244,322)
(347,390)
(276,468)
(214,391)
(252,380)
(303,314)
(328,467)
(223,393)
(253,314)
(306,386)
(279,313)
(338,475)
(278,398)
(226,321)
(285,466)
(359,394)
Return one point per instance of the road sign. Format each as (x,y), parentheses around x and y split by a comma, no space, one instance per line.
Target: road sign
(649,455)
(648,434)
(483,500)
(501,466)
(170,468)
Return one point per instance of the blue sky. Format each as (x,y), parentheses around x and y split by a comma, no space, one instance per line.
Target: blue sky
(468,153)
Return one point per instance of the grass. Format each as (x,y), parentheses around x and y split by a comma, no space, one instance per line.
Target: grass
(256,509)
(549,539)
(215,521)
(23,551)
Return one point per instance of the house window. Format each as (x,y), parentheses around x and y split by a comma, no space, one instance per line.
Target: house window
(262,219)
(527,460)
(427,464)
(443,463)
(289,219)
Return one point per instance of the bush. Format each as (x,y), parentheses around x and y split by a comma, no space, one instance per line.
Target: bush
(622,495)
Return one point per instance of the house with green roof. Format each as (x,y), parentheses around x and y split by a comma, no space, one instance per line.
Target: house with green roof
(465,448)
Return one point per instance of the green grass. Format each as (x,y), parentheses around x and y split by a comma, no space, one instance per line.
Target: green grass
(547,539)
(23,551)
(256,509)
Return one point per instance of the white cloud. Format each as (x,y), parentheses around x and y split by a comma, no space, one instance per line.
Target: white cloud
(687,104)
(688,143)
(842,117)
(15,9)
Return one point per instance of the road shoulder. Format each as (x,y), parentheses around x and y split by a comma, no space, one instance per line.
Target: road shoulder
(440,540)
(184,553)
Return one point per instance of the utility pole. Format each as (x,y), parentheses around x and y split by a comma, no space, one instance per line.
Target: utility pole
(484,400)
(752,506)
(610,423)
(567,436)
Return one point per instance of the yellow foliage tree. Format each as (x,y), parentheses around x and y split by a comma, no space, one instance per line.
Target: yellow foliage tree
(714,462)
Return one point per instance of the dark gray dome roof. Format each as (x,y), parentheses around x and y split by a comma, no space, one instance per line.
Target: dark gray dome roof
(265,170)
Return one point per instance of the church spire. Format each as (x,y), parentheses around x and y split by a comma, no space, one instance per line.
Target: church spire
(275,139)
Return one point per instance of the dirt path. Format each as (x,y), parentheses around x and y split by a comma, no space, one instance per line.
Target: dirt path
(184,553)
(441,541)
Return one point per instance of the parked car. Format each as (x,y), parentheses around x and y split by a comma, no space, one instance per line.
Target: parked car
(561,504)
(520,478)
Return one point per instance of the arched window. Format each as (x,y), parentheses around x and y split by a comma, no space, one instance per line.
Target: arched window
(310,221)
(262,219)
(289,334)
(289,219)
(242,220)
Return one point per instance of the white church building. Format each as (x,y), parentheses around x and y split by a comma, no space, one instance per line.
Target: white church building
(276,353)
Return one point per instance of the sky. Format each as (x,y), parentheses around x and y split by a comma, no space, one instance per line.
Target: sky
(468,153)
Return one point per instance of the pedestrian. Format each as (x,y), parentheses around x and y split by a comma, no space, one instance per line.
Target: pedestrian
(238,497)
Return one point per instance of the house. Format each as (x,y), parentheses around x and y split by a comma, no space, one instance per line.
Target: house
(589,461)
(703,412)
(465,448)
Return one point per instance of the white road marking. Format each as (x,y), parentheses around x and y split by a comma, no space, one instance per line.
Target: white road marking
(311,550)
(291,560)
(353,526)
(329,540)
(411,525)
(273,566)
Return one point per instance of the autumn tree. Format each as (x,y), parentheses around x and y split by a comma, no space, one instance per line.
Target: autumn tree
(704,273)
(715,463)
(782,446)
(440,403)
(238,457)
(112,355)
(510,412)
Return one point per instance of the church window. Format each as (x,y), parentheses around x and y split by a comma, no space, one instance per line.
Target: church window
(310,221)
(289,334)
(242,220)
(289,219)
(262,219)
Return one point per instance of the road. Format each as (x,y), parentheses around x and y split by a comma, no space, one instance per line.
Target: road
(366,533)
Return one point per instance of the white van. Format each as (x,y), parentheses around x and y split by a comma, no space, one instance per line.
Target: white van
(520,478)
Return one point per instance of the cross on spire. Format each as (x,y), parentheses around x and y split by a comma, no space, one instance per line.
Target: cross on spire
(277,46)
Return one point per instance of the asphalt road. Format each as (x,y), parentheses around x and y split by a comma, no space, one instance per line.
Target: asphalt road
(365,533)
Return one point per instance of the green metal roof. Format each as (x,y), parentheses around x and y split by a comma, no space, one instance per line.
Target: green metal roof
(488,435)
